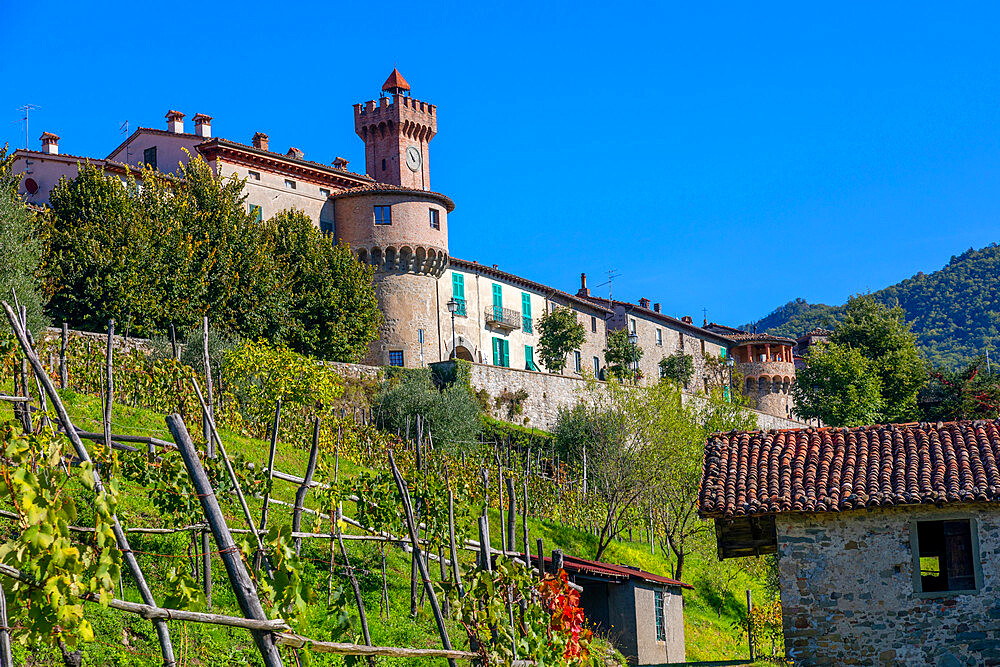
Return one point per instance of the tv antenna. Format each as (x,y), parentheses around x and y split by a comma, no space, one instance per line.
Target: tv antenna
(124,130)
(27,109)
(612,274)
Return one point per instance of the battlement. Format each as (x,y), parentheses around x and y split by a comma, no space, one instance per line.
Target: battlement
(388,106)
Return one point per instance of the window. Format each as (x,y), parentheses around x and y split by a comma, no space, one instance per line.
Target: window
(383,164)
(529,358)
(526,313)
(497,303)
(659,337)
(255,213)
(501,352)
(945,555)
(458,292)
(597,367)
(661,630)
(593,324)
(324,192)
(149,157)
(253,175)
(290,184)
(682,340)
(632,325)
(576,361)
(703,347)
(383,215)
(435,219)
(395,357)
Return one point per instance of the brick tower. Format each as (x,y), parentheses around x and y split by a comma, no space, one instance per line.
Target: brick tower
(396,132)
(398,225)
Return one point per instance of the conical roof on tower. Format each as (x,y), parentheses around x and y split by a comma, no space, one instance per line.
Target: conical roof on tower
(395,83)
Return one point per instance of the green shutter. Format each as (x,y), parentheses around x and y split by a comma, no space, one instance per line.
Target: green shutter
(526,304)
(505,350)
(496,351)
(529,358)
(497,297)
(457,285)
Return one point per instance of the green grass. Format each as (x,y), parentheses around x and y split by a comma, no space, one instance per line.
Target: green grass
(127,640)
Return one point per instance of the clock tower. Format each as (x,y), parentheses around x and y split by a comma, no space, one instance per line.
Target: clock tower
(397,130)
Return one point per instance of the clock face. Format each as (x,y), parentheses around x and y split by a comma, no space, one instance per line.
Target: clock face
(413,158)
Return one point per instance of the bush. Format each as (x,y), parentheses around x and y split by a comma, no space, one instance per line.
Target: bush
(450,411)
(519,437)
(19,247)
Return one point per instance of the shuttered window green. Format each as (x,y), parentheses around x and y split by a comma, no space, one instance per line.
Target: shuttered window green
(501,352)
(529,358)
(497,303)
(526,313)
(458,292)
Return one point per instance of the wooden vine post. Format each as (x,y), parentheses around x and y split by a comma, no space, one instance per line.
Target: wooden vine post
(411,527)
(6,657)
(109,389)
(300,495)
(63,367)
(242,584)
(511,515)
(208,389)
(270,476)
(162,632)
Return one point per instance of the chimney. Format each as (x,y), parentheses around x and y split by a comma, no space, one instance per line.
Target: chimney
(203,125)
(339,163)
(687,319)
(583,291)
(656,307)
(260,141)
(50,143)
(644,303)
(175,122)
(295,153)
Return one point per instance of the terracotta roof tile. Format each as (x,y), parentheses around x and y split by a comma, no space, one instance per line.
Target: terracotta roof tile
(387,188)
(837,469)
(395,80)
(575,565)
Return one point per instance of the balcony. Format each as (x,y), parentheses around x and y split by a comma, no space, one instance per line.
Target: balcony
(503,318)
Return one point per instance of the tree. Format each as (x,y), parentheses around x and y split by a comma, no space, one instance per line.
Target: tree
(679,433)
(870,370)
(678,367)
(19,245)
(334,312)
(621,356)
(559,334)
(970,393)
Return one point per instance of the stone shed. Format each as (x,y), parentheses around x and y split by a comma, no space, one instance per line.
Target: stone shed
(888,536)
(640,612)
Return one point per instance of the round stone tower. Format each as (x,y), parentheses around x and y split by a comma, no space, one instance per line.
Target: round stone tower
(767,364)
(398,225)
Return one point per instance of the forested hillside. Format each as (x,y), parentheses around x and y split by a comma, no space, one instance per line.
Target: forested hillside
(955,311)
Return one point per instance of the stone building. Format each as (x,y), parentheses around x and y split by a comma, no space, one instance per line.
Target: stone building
(888,536)
(394,222)
(640,612)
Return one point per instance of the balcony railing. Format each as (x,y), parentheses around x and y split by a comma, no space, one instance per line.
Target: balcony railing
(503,318)
(460,311)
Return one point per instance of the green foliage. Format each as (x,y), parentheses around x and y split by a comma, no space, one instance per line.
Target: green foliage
(174,250)
(59,568)
(450,412)
(955,311)
(969,393)
(549,628)
(869,372)
(621,356)
(678,367)
(559,334)
(334,312)
(513,435)
(19,246)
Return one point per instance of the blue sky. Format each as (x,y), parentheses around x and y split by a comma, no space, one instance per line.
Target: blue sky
(721,156)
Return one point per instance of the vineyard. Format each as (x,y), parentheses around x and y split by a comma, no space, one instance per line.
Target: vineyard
(262,518)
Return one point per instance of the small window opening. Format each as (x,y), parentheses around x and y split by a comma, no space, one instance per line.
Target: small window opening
(945,556)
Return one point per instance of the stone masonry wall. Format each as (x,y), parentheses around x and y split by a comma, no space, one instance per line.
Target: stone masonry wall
(848,597)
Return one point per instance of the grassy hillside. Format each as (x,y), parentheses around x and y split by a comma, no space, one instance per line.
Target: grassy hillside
(955,311)
(710,610)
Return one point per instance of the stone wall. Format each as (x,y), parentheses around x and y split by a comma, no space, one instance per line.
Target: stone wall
(848,598)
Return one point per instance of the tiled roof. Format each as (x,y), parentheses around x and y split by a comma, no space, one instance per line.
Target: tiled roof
(746,337)
(386,188)
(466,265)
(210,144)
(663,318)
(593,568)
(395,80)
(837,469)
